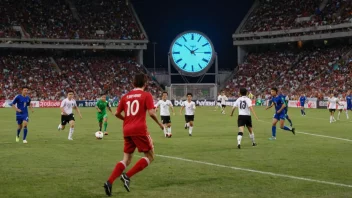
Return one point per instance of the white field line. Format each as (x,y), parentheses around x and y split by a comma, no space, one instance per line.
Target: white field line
(317,135)
(259,172)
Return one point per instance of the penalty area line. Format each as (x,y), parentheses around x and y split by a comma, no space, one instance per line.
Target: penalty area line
(256,171)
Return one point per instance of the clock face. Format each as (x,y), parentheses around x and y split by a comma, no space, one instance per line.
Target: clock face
(192,53)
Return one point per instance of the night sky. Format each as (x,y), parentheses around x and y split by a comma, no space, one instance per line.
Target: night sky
(163,20)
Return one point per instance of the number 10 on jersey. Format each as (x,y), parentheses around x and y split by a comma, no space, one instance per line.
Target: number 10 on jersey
(132,108)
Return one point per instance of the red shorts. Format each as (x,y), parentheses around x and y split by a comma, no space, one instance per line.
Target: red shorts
(143,143)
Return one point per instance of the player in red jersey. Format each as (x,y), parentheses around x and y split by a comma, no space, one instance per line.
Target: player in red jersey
(134,104)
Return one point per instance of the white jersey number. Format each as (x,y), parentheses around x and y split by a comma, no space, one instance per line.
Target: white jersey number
(132,108)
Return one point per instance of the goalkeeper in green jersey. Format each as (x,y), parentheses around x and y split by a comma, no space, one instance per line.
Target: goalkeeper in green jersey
(102,116)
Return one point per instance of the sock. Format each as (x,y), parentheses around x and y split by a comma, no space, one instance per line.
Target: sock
(165,130)
(289,120)
(105,126)
(190,129)
(18,132)
(273,131)
(338,115)
(60,126)
(301,112)
(347,114)
(119,168)
(286,128)
(304,113)
(252,137)
(330,118)
(169,130)
(25,133)
(239,137)
(139,166)
(71,132)
(187,124)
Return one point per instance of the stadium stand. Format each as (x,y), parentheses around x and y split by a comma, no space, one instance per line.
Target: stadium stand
(314,71)
(88,75)
(271,15)
(76,19)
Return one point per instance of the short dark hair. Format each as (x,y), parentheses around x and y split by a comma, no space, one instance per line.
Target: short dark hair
(70,91)
(139,80)
(164,92)
(274,89)
(25,87)
(243,91)
(189,94)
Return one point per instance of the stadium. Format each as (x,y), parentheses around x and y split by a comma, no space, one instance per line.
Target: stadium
(79,58)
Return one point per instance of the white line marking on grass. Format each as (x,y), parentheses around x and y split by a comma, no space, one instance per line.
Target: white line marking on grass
(256,171)
(317,135)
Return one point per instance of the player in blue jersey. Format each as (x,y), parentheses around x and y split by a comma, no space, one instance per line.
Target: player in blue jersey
(286,110)
(20,104)
(280,105)
(302,101)
(349,103)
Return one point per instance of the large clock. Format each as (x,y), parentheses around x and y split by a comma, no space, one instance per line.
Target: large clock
(192,53)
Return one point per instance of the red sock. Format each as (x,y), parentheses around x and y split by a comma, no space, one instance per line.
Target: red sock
(119,168)
(139,166)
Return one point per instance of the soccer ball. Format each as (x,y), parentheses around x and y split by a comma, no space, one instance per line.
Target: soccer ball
(99,135)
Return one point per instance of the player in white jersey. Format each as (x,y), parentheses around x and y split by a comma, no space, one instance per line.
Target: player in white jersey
(190,108)
(67,106)
(341,107)
(218,102)
(223,100)
(244,105)
(332,105)
(165,106)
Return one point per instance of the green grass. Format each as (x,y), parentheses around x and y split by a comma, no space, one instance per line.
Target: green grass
(51,166)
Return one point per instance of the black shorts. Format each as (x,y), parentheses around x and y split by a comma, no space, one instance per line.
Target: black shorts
(244,120)
(223,106)
(332,110)
(219,101)
(166,119)
(189,118)
(67,118)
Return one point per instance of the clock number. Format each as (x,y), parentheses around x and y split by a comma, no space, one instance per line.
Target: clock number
(132,108)
(176,52)
(192,68)
(184,38)
(207,52)
(178,44)
(205,44)
(184,66)
(200,66)
(205,60)
(179,60)
(199,38)
(192,37)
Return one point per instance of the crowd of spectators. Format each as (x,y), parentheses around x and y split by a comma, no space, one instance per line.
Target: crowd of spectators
(316,72)
(86,75)
(108,19)
(273,15)
(34,71)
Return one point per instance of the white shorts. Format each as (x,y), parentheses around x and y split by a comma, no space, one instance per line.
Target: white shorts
(340,107)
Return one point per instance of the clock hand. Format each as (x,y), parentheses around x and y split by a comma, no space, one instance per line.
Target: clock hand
(188,48)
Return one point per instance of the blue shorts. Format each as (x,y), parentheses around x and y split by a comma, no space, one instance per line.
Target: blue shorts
(302,104)
(286,110)
(280,116)
(21,118)
(349,107)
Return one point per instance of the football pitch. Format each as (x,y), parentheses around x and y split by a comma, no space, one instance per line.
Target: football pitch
(316,162)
